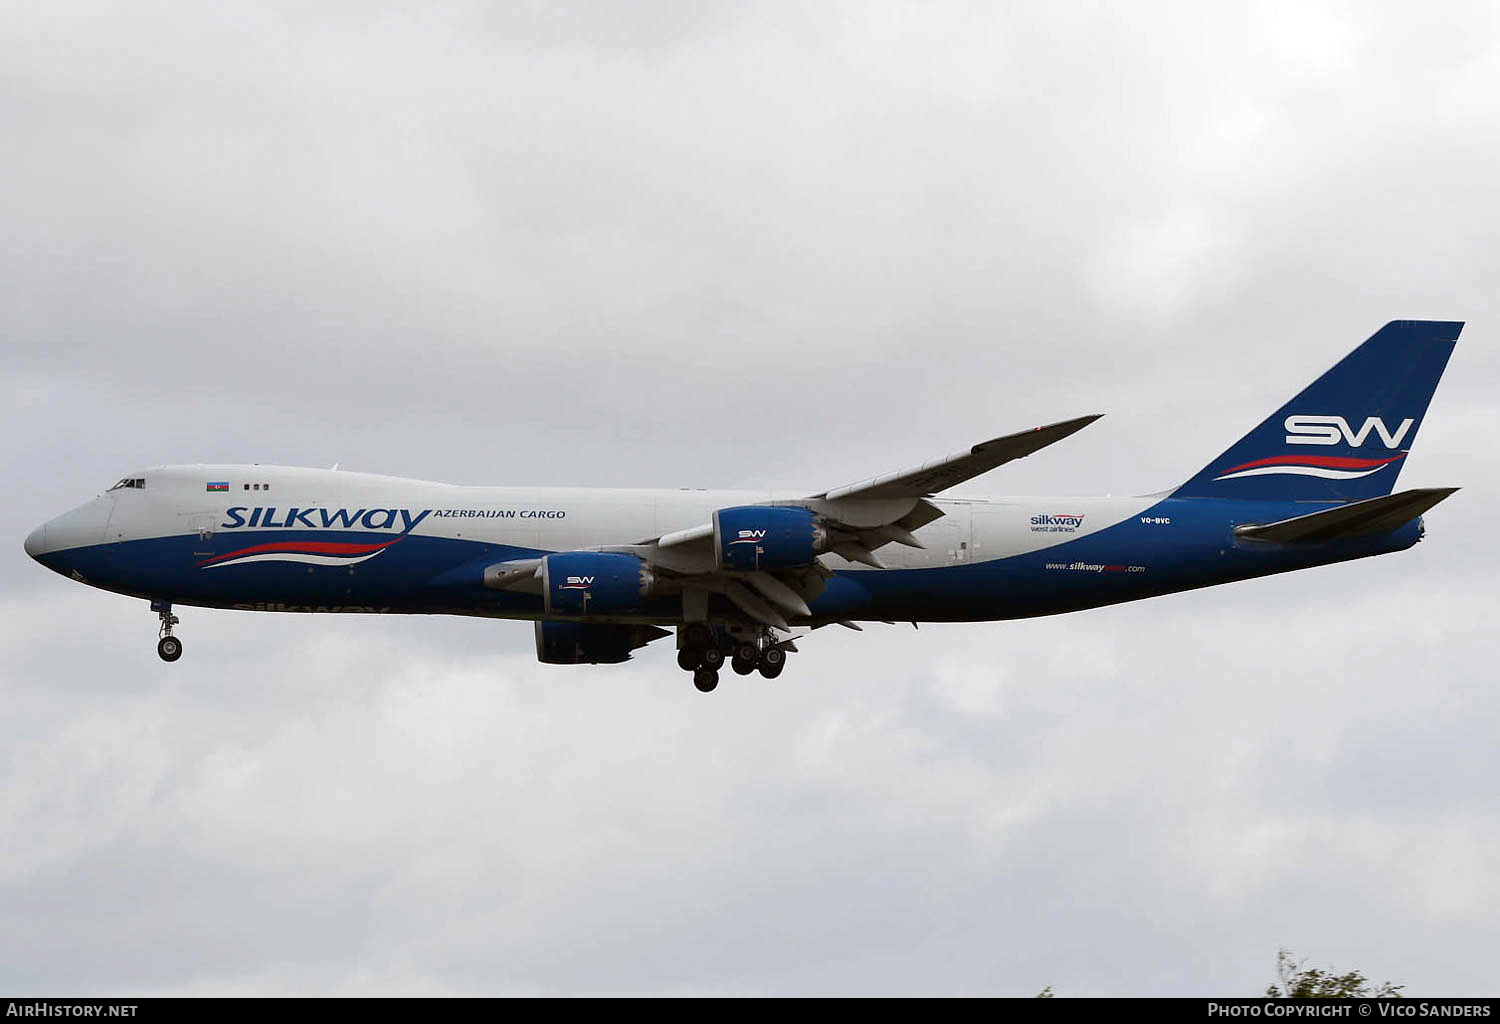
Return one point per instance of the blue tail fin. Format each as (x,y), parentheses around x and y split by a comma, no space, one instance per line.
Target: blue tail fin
(1346,436)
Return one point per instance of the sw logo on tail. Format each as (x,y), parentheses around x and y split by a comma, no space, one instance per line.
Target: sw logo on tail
(1332,429)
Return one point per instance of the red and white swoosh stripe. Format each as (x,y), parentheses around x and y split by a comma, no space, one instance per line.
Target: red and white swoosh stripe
(1329,467)
(305,552)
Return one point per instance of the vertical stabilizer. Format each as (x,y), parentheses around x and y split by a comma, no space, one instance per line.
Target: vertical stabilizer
(1346,436)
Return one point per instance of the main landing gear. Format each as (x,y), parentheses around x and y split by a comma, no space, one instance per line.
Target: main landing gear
(168,648)
(701,651)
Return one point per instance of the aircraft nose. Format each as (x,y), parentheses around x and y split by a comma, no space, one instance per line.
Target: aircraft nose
(36,542)
(81,527)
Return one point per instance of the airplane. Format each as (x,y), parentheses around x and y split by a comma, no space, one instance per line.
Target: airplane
(734,574)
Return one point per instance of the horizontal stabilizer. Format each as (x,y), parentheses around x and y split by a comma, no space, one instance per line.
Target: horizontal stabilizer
(1375,515)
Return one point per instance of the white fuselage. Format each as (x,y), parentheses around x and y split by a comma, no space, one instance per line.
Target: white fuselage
(173,502)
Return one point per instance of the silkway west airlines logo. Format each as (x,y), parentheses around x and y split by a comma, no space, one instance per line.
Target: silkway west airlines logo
(578,583)
(1056,523)
(1326,430)
(750,537)
(313,552)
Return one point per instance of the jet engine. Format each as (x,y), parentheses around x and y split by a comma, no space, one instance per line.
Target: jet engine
(751,537)
(590,643)
(594,583)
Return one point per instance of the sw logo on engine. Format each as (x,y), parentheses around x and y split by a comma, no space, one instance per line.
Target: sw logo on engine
(1335,429)
(578,582)
(750,536)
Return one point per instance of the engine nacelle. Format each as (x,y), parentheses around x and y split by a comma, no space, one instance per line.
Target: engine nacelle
(752,537)
(590,643)
(594,583)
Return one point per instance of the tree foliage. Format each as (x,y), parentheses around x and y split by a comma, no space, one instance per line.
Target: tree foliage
(1299,981)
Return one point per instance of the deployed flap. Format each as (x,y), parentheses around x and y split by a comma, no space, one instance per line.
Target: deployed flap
(941,474)
(1374,515)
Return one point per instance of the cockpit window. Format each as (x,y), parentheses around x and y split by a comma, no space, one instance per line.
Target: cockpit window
(130,481)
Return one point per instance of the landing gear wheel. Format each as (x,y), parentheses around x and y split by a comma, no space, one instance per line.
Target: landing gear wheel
(705,679)
(713,658)
(169,648)
(745,657)
(689,658)
(772,661)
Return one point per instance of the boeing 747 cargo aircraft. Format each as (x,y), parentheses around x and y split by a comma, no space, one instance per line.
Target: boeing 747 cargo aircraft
(735,573)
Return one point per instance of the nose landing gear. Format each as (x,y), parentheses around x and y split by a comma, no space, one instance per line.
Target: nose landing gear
(168,648)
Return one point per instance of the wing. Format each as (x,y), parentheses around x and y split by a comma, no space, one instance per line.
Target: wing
(851,522)
(890,508)
(941,474)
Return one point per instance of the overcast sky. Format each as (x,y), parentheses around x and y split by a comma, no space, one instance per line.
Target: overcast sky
(686,244)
